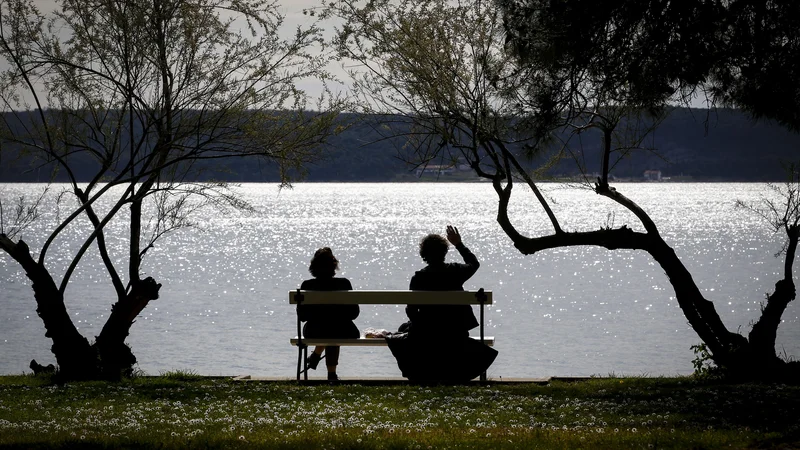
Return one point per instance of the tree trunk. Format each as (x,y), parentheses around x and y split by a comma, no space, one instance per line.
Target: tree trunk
(700,313)
(764,333)
(739,357)
(116,357)
(109,357)
(75,357)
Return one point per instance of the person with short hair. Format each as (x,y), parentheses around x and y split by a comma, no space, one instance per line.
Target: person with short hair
(327,321)
(434,344)
(438,275)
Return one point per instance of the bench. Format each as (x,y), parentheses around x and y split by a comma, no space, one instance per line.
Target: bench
(298,297)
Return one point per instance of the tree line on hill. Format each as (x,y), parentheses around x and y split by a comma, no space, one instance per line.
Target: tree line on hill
(690,144)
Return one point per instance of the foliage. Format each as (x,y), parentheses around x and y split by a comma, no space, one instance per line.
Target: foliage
(779,207)
(454,90)
(635,53)
(22,214)
(740,53)
(218,413)
(181,375)
(758,65)
(703,362)
(436,70)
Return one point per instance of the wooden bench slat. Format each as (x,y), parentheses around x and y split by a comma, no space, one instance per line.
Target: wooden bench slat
(361,297)
(366,342)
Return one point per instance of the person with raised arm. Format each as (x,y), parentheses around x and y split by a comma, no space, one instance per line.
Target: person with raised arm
(438,275)
(435,344)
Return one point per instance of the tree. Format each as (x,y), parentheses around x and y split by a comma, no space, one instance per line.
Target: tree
(146,94)
(738,53)
(497,86)
(758,61)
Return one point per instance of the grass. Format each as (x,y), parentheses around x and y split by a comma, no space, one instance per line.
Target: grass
(180,410)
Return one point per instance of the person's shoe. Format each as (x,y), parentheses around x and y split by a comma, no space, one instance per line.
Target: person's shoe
(332,376)
(313,361)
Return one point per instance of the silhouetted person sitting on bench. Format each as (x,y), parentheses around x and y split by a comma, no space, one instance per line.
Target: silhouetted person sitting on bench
(327,321)
(437,345)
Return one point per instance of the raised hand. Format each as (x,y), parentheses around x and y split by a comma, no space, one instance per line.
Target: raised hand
(452,235)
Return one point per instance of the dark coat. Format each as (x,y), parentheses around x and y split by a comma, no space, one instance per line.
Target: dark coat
(328,321)
(438,319)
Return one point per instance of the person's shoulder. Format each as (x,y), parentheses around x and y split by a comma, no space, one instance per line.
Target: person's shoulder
(420,274)
(425,279)
(429,269)
(342,284)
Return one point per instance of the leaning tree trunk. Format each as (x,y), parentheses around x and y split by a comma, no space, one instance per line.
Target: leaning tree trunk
(75,357)
(739,357)
(116,357)
(764,333)
(736,355)
(700,312)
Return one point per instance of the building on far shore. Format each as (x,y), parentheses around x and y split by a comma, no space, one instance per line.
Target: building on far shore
(436,169)
(652,175)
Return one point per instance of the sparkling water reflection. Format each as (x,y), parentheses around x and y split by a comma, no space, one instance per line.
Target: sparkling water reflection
(570,311)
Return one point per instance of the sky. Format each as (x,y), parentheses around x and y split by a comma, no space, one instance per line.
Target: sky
(294,17)
(292,10)
(293,13)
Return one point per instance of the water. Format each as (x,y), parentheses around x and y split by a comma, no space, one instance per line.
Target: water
(572,311)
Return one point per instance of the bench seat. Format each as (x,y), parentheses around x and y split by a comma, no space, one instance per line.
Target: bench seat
(366,342)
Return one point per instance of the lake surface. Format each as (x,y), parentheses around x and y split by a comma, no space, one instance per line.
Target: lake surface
(573,311)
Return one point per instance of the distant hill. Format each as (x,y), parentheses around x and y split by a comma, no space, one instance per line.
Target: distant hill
(731,148)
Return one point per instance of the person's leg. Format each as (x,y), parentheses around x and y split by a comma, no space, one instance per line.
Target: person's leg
(332,356)
(315,357)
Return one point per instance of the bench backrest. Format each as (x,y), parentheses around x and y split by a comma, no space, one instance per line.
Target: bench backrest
(392,297)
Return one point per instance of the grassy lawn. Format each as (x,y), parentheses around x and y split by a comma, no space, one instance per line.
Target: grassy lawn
(177,411)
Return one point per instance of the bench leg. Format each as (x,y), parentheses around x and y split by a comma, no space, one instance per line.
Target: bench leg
(299,361)
(302,356)
(305,365)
